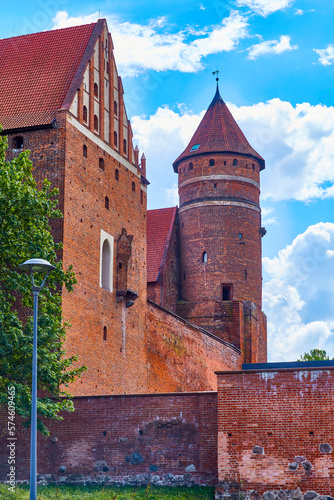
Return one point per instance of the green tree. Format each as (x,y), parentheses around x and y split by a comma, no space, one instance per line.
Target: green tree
(25,211)
(314,355)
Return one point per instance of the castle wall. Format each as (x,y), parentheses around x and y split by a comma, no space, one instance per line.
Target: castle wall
(182,357)
(163,438)
(107,336)
(274,428)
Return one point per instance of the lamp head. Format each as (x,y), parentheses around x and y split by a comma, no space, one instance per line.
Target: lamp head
(37,266)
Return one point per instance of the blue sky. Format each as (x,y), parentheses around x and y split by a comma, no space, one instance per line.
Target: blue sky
(276,61)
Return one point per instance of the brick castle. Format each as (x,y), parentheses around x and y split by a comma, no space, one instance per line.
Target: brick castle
(168,301)
(164,296)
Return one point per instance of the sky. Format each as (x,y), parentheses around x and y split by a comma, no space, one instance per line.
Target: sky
(275,60)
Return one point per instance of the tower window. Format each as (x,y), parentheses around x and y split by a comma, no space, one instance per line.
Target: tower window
(96,123)
(117,174)
(84,114)
(215,185)
(104,333)
(246,274)
(18,142)
(195,148)
(205,257)
(96,90)
(85,150)
(211,162)
(225,163)
(106,202)
(253,166)
(235,163)
(124,146)
(115,139)
(133,187)
(101,163)
(240,236)
(115,108)
(190,166)
(227,292)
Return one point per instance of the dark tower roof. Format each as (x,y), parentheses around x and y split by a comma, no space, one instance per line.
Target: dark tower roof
(218,132)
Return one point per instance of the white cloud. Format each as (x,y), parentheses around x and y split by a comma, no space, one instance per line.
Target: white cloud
(265,7)
(298,299)
(326,56)
(141,47)
(296,142)
(271,47)
(267,217)
(299,12)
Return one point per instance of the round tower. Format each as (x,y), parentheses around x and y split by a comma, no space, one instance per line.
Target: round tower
(219,222)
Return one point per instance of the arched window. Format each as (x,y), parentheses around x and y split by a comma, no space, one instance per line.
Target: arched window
(124,146)
(190,166)
(106,202)
(211,162)
(115,108)
(85,150)
(18,142)
(253,166)
(133,186)
(84,114)
(104,333)
(205,257)
(96,123)
(96,90)
(235,163)
(117,174)
(101,163)
(115,139)
(106,265)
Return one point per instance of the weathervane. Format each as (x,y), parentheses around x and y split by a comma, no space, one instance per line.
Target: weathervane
(216,73)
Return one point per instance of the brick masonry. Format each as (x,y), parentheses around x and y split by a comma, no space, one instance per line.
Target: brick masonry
(276,431)
(164,439)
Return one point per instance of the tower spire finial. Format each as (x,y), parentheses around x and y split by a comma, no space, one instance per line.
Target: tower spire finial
(217,96)
(216,73)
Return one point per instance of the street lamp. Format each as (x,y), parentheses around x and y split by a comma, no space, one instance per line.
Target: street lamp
(35,266)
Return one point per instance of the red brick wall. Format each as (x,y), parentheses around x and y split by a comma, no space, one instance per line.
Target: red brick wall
(289,413)
(90,308)
(165,439)
(182,357)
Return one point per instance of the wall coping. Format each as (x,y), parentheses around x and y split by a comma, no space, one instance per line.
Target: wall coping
(150,394)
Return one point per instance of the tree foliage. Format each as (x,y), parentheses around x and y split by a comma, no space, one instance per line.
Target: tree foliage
(315,355)
(25,211)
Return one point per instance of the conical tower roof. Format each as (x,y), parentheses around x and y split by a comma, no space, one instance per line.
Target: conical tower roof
(218,132)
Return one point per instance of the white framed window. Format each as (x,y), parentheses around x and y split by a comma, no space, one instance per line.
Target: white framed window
(106,261)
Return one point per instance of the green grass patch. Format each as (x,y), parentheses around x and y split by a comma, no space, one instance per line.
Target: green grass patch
(149,492)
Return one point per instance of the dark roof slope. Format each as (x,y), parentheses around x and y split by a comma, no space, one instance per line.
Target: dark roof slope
(159,229)
(36,72)
(218,132)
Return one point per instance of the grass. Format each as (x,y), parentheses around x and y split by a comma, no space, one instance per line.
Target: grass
(67,492)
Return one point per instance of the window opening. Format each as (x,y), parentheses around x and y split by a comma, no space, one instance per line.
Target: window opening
(18,142)
(240,236)
(211,162)
(106,202)
(96,90)
(190,166)
(115,108)
(117,174)
(85,150)
(235,162)
(253,166)
(115,139)
(105,265)
(104,338)
(227,292)
(246,274)
(84,114)
(195,148)
(215,185)
(124,146)
(96,123)
(101,163)
(225,163)
(133,187)
(205,257)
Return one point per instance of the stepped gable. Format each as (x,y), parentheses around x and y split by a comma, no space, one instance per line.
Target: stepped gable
(159,229)
(40,73)
(218,132)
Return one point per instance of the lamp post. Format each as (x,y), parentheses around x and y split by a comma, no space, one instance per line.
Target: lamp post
(35,266)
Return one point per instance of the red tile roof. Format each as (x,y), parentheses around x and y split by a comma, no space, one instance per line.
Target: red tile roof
(36,72)
(218,132)
(159,229)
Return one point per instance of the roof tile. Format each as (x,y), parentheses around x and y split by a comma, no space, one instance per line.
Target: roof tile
(159,229)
